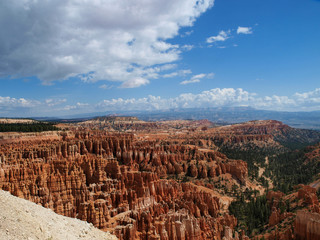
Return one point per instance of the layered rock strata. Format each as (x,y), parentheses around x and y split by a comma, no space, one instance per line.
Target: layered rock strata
(118,184)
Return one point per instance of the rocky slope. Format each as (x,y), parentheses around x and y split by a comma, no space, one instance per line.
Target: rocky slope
(21,219)
(16,120)
(294,216)
(267,134)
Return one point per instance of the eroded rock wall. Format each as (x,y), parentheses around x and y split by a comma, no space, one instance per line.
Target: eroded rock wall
(118,184)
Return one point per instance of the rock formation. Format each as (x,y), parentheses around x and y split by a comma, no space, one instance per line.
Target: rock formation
(151,180)
(118,183)
(307,225)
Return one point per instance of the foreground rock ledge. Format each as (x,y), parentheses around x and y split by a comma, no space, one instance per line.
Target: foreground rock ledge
(21,219)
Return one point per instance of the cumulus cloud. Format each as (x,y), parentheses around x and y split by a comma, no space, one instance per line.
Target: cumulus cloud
(217,97)
(19,107)
(244,30)
(95,40)
(211,98)
(221,37)
(8,102)
(310,96)
(309,99)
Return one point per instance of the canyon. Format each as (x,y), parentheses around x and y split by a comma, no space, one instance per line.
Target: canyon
(153,180)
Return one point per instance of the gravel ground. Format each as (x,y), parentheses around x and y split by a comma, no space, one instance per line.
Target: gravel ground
(21,219)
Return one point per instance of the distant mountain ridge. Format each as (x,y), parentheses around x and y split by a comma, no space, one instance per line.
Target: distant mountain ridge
(225,115)
(308,120)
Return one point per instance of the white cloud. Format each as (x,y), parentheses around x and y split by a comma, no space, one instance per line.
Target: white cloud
(170,75)
(244,30)
(96,40)
(196,78)
(167,67)
(188,33)
(136,82)
(77,106)
(105,86)
(211,98)
(311,98)
(221,37)
(178,73)
(8,102)
(17,106)
(217,97)
(199,76)
(82,104)
(21,107)
(309,95)
(53,102)
(189,81)
(187,47)
(224,35)
(274,102)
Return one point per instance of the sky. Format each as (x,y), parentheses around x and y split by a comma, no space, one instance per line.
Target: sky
(66,57)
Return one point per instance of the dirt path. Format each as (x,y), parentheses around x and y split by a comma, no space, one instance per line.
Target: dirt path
(315,184)
(261,171)
(21,219)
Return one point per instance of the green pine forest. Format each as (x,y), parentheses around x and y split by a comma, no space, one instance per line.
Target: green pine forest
(286,169)
(27,127)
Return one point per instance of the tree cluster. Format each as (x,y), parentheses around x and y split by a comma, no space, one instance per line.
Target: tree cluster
(27,127)
(252,215)
(251,156)
(292,168)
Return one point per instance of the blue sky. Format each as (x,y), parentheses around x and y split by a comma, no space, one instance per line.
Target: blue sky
(68,57)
